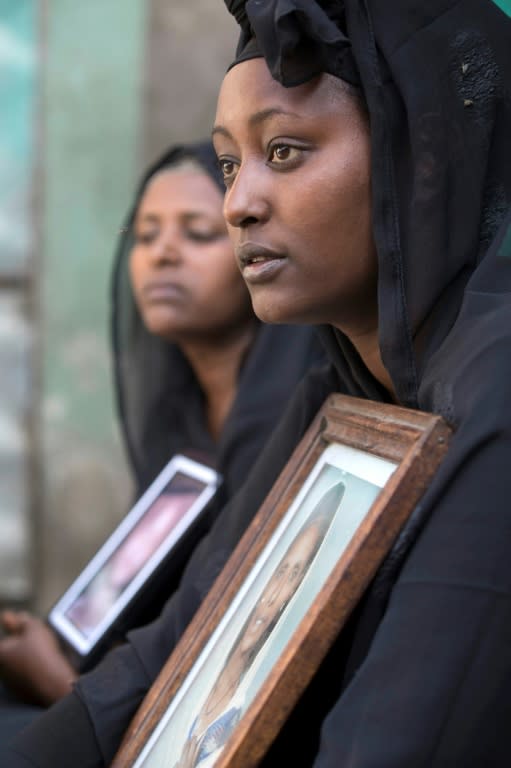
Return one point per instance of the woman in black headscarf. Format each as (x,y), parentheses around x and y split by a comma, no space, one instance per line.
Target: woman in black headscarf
(195,372)
(387,125)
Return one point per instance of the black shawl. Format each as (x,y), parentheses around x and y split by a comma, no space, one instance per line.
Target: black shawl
(421,676)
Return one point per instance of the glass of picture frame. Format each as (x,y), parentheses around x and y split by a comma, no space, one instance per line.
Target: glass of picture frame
(126,570)
(288,588)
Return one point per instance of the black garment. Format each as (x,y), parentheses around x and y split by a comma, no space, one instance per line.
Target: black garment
(298,40)
(15,716)
(421,675)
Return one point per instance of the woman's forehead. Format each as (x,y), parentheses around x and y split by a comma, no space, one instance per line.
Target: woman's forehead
(249,89)
(306,538)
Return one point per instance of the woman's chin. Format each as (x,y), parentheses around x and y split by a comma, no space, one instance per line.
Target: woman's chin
(274,311)
(160,319)
(272,318)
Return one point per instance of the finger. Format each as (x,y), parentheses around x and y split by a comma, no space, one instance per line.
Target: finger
(11,620)
(8,650)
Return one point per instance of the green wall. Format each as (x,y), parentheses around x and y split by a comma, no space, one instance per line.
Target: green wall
(18,25)
(17,97)
(94,64)
(92,72)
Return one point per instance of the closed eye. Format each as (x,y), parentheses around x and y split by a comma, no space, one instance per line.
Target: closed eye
(198,236)
(295,572)
(146,237)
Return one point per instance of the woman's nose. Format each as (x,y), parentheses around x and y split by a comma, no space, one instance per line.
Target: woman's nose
(246,202)
(167,249)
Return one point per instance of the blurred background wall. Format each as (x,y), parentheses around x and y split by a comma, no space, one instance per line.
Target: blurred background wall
(90,93)
(18,42)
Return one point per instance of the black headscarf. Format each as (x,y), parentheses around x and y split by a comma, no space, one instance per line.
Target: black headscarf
(298,39)
(161,405)
(435,77)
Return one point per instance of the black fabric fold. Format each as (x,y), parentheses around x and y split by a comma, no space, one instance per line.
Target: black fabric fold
(299,39)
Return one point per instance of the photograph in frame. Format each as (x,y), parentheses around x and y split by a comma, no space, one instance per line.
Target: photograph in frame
(288,588)
(302,553)
(132,553)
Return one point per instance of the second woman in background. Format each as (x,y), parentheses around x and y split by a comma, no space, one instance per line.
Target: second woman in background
(195,371)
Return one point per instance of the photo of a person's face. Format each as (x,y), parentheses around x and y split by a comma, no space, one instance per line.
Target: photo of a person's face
(163,516)
(282,585)
(131,556)
(136,550)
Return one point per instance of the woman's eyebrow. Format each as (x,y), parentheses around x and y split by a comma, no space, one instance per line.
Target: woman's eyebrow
(220,130)
(265,114)
(185,215)
(147,217)
(256,119)
(193,215)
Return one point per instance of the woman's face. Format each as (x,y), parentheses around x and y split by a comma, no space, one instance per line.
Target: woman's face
(183,272)
(145,538)
(281,587)
(296,162)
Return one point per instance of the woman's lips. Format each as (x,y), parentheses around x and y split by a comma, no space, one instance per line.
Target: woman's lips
(162,292)
(257,263)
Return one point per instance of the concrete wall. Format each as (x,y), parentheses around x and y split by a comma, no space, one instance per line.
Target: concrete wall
(190,45)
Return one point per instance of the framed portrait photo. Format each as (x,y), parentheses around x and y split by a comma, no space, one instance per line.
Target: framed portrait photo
(288,588)
(124,572)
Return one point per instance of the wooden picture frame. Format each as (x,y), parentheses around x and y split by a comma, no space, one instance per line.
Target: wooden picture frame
(345,493)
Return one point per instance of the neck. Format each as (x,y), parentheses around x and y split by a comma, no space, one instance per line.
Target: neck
(367,346)
(216,364)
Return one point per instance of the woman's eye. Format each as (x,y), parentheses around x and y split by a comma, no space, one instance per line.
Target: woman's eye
(228,168)
(145,238)
(281,154)
(295,572)
(202,237)
(281,570)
